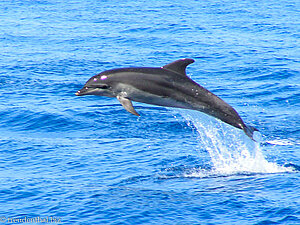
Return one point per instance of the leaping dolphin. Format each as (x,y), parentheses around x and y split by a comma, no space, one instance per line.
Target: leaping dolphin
(165,86)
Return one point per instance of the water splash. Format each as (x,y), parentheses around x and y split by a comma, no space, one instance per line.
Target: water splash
(230,150)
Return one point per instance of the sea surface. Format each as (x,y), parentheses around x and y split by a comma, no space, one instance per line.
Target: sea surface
(66,159)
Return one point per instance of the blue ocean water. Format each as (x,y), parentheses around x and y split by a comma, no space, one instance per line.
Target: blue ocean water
(85,160)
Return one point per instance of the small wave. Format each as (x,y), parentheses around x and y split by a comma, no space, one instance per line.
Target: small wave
(26,119)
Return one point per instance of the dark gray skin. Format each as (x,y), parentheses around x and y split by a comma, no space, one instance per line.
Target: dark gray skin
(166,86)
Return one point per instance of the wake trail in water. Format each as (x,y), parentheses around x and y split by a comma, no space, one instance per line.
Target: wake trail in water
(230,150)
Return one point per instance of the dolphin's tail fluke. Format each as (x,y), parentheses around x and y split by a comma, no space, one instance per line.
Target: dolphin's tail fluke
(249,131)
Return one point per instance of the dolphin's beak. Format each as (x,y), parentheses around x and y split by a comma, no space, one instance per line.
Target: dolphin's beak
(82,91)
(85,91)
(78,93)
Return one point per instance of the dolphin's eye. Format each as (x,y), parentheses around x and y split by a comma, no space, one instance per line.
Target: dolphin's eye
(104,86)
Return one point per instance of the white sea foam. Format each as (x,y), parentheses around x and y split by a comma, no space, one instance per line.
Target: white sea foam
(230,150)
(283,142)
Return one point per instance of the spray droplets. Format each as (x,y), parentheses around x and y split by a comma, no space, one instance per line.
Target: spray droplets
(230,150)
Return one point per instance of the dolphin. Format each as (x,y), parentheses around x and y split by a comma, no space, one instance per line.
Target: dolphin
(165,86)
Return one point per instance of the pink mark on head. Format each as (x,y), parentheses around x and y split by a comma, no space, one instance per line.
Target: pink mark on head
(103,77)
(95,79)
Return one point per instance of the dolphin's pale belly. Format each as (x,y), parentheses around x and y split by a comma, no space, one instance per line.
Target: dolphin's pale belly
(157,100)
(137,95)
(217,107)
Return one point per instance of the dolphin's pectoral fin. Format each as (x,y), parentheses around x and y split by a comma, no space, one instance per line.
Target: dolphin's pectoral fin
(179,66)
(127,104)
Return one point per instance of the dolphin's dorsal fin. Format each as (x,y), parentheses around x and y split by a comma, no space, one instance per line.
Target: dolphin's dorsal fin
(179,66)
